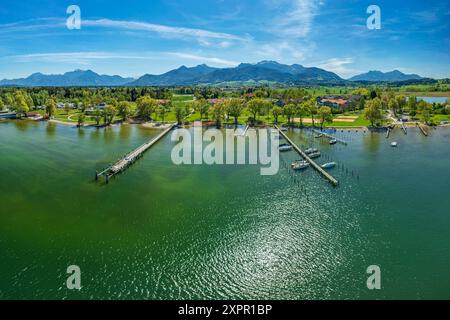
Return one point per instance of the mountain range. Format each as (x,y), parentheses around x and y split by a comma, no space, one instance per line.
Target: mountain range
(75,78)
(261,72)
(378,76)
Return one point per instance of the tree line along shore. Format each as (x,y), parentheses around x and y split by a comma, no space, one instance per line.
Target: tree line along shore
(316,107)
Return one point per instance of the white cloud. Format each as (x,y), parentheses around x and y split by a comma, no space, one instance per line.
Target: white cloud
(202,59)
(85,57)
(161,29)
(338,65)
(296,19)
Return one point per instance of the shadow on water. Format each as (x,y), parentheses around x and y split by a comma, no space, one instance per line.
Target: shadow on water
(371,141)
(51,129)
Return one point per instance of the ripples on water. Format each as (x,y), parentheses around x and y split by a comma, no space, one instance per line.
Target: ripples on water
(164,232)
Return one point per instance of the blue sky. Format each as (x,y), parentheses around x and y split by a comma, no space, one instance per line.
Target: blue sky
(134,37)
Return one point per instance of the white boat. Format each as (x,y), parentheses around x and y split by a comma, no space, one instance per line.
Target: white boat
(394,144)
(284,147)
(311,150)
(329,165)
(314,155)
(333,141)
(284,129)
(318,136)
(299,165)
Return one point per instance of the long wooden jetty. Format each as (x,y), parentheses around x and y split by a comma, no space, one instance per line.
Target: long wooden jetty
(330,136)
(123,163)
(318,168)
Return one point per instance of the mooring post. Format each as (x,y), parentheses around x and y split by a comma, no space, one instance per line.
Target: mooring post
(96,175)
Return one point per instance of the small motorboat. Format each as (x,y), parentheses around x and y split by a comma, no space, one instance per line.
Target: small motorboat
(329,165)
(311,150)
(285,147)
(318,136)
(299,165)
(394,144)
(284,129)
(314,155)
(333,141)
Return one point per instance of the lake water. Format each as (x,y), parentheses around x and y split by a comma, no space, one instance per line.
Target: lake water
(161,231)
(433,99)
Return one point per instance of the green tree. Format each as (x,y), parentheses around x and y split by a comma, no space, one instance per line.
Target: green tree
(180,113)
(302,111)
(81,120)
(109,114)
(97,116)
(218,112)
(276,112)
(325,115)
(2,105)
(162,111)
(425,110)
(20,104)
(50,107)
(145,107)
(66,107)
(373,111)
(362,103)
(201,106)
(312,111)
(255,107)
(412,106)
(289,111)
(401,102)
(234,108)
(393,105)
(124,109)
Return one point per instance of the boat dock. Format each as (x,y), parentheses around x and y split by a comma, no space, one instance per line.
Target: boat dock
(422,129)
(330,136)
(123,163)
(318,168)
(404,128)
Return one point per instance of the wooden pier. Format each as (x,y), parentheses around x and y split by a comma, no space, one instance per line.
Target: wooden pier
(318,168)
(330,136)
(123,163)
(404,128)
(422,129)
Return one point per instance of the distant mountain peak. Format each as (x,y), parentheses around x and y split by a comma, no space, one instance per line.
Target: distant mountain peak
(379,76)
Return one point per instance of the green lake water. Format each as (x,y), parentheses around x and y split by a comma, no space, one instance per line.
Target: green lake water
(161,231)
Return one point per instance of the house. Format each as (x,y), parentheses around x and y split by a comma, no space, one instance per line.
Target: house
(338,102)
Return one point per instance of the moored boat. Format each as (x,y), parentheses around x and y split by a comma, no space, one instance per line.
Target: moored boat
(394,144)
(311,150)
(329,165)
(333,141)
(299,165)
(314,155)
(285,147)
